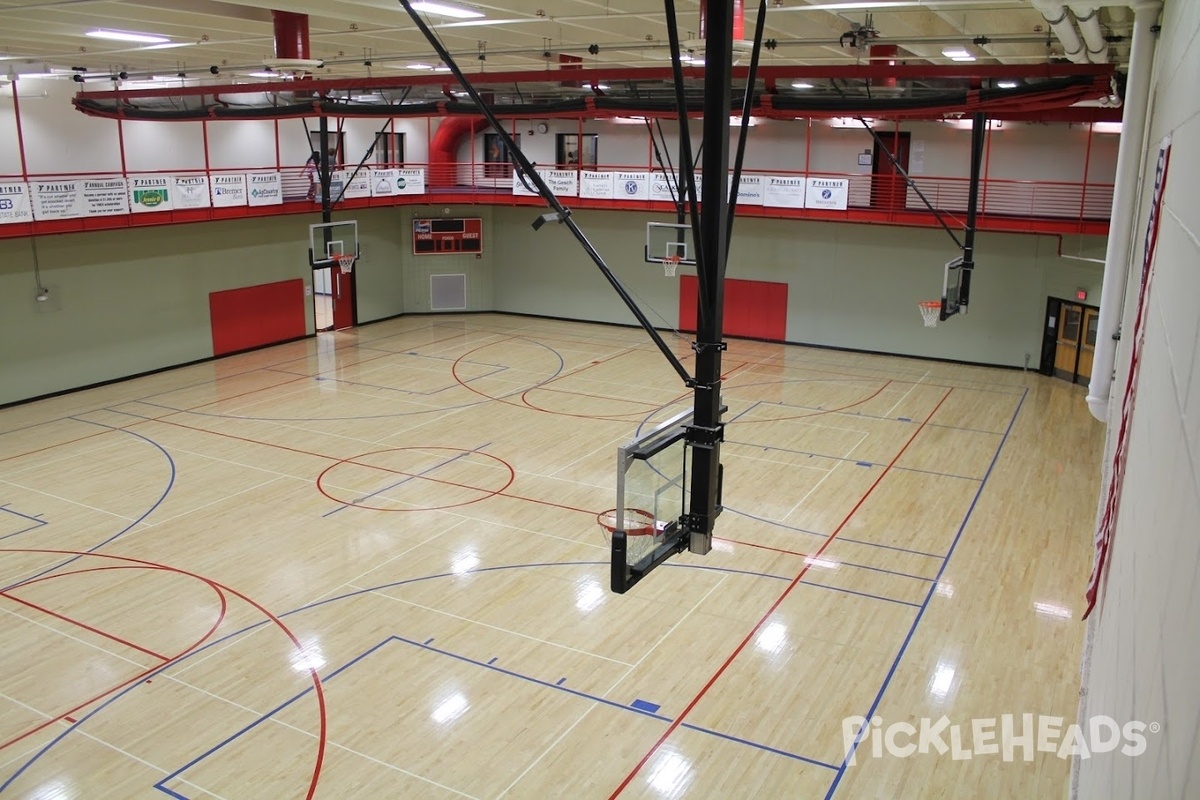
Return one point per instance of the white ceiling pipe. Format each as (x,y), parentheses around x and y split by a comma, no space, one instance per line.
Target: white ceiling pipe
(1125,192)
(1064,28)
(1087,16)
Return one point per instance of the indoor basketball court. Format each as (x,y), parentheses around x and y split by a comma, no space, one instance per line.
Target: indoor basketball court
(371,566)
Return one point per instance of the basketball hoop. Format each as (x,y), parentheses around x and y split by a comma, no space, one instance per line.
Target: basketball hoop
(670,264)
(345,261)
(930,311)
(636,523)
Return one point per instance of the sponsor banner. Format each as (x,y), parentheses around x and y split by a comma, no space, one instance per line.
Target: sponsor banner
(191,191)
(631,185)
(596,185)
(56,199)
(360,186)
(827,193)
(337,179)
(14,203)
(563,182)
(104,197)
(519,188)
(264,189)
(663,186)
(781,192)
(150,194)
(410,181)
(750,190)
(229,191)
(384,182)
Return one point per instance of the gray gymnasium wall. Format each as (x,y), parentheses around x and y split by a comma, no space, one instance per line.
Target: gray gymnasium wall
(125,302)
(850,285)
(419,269)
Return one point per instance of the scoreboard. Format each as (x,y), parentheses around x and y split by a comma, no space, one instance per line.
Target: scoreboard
(433,237)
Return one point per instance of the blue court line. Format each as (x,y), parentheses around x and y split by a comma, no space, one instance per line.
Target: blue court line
(810,361)
(127,528)
(41,524)
(785,526)
(8,510)
(405,480)
(869,416)
(342,381)
(860,594)
(757,746)
(928,596)
(840,458)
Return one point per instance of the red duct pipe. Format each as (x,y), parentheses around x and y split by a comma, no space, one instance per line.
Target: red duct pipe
(291,34)
(739,19)
(443,148)
(884,55)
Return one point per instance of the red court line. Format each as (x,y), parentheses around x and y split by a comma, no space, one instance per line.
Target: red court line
(318,689)
(774,606)
(85,626)
(66,714)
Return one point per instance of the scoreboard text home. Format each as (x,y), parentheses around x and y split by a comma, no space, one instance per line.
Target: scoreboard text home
(447,236)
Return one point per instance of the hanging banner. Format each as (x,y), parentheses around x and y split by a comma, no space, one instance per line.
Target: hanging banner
(191,191)
(410,181)
(14,203)
(596,185)
(563,182)
(56,200)
(781,192)
(383,182)
(827,193)
(104,197)
(519,187)
(337,180)
(360,186)
(150,194)
(228,191)
(1102,541)
(265,189)
(663,187)
(631,185)
(750,190)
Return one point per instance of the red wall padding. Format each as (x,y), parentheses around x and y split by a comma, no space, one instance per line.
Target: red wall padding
(755,309)
(256,315)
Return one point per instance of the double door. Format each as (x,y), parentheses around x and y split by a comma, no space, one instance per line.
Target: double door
(1075,342)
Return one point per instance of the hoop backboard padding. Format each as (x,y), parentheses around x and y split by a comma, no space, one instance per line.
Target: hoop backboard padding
(951,289)
(930,311)
(669,240)
(327,241)
(670,264)
(651,481)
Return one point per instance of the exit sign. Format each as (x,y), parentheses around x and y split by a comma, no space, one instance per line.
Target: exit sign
(1080,294)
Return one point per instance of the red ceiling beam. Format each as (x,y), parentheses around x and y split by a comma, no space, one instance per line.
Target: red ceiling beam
(862,72)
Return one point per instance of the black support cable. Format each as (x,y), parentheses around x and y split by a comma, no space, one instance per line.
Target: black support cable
(747,103)
(561,214)
(666,168)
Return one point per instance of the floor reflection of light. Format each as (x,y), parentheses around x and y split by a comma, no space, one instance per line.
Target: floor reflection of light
(944,589)
(309,657)
(772,638)
(722,546)
(1052,610)
(589,595)
(943,679)
(54,790)
(450,709)
(671,775)
(464,563)
(822,563)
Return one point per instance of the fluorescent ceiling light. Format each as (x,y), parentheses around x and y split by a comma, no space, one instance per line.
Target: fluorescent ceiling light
(441,68)
(263,74)
(1106,127)
(418,66)
(167,46)
(801,85)
(958,54)
(688,58)
(1006,84)
(128,36)
(446,10)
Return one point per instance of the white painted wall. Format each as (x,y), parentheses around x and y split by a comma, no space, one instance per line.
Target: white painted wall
(1145,639)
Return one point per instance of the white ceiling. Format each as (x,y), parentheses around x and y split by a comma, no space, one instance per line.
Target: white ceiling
(238,34)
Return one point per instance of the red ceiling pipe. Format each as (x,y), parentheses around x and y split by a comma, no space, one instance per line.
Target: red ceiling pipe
(291,34)
(443,148)
(885,55)
(739,19)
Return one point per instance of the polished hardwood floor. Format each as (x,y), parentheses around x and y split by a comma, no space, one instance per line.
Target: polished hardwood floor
(368,565)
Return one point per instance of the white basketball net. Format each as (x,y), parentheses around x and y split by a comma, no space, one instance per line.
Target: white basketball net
(930,311)
(670,264)
(345,261)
